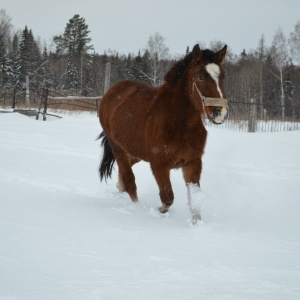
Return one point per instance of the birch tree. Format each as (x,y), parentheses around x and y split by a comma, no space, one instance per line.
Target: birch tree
(279,55)
(5,26)
(157,60)
(294,42)
(260,63)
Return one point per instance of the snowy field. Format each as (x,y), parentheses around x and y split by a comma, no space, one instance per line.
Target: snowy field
(64,235)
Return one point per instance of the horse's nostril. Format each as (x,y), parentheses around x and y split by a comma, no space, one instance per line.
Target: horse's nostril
(216,113)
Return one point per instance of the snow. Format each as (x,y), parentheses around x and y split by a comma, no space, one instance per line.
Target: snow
(64,235)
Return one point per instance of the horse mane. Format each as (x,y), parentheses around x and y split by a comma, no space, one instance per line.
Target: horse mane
(176,71)
(174,74)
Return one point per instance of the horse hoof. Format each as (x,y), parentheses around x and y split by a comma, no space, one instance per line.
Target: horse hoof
(164,209)
(196,218)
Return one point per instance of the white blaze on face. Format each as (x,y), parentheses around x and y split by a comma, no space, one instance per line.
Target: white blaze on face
(214,71)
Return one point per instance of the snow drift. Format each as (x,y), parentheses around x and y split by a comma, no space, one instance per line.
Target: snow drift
(65,235)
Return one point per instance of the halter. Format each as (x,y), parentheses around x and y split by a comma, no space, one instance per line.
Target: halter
(208,101)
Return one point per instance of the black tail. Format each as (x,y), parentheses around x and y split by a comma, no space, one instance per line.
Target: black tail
(108,158)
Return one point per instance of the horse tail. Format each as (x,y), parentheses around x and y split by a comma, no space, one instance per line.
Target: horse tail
(108,159)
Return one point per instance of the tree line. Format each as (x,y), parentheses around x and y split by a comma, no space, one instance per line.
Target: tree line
(267,75)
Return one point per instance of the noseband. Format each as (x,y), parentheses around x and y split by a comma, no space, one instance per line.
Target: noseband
(208,101)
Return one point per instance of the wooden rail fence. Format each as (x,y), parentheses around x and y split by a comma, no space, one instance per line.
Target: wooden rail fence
(83,103)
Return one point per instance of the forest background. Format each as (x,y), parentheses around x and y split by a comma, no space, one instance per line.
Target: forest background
(266,74)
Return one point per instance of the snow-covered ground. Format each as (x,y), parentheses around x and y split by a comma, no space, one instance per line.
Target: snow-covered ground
(64,235)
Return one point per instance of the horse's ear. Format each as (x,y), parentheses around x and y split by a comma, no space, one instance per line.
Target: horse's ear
(221,54)
(196,50)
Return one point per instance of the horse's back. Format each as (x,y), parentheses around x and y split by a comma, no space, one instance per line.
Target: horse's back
(125,94)
(123,114)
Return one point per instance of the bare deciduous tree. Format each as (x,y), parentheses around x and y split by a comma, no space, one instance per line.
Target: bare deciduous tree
(158,58)
(294,42)
(260,62)
(5,25)
(279,55)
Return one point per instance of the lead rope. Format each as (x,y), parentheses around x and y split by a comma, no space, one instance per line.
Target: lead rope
(207,101)
(201,96)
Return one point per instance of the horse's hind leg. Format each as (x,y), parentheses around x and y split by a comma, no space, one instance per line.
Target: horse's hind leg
(126,177)
(162,176)
(120,184)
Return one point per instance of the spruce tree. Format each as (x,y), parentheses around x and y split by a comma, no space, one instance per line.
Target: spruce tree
(25,53)
(16,65)
(289,95)
(87,76)
(74,44)
(5,70)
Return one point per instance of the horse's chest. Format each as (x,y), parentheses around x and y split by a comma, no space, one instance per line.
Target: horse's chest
(185,147)
(192,139)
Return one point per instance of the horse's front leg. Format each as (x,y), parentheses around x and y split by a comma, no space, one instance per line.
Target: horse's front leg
(191,174)
(162,176)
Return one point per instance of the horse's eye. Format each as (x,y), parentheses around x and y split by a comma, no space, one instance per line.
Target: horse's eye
(201,77)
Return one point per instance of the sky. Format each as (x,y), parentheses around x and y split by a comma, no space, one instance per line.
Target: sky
(125,26)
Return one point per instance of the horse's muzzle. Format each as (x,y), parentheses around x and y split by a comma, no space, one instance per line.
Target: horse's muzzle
(219,115)
(219,112)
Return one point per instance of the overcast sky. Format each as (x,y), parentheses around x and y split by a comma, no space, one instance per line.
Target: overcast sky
(125,25)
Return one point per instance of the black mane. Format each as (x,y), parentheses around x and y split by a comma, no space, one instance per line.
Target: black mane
(176,71)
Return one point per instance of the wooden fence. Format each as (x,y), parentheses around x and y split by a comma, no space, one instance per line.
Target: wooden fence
(247,117)
(65,103)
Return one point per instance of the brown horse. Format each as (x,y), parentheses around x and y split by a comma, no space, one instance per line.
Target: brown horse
(163,125)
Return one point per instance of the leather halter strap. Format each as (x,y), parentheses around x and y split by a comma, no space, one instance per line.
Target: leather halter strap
(208,101)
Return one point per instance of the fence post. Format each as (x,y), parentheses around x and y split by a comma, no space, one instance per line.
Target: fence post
(46,93)
(107,77)
(252,116)
(14,99)
(27,92)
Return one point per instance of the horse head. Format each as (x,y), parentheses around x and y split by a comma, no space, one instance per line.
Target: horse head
(206,78)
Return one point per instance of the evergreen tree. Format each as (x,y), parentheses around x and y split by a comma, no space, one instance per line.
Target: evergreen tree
(72,76)
(74,43)
(15,45)
(243,55)
(16,65)
(16,74)
(45,72)
(143,70)
(137,68)
(128,69)
(289,95)
(5,70)
(87,76)
(271,91)
(25,56)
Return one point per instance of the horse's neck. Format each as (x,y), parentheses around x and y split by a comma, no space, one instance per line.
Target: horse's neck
(182,111)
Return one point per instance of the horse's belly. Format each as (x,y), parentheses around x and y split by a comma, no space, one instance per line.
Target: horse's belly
(128,130)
